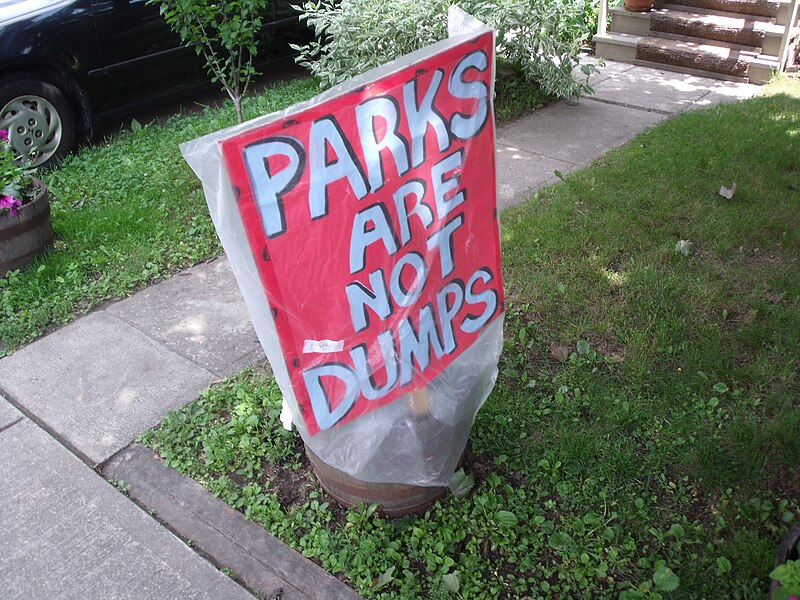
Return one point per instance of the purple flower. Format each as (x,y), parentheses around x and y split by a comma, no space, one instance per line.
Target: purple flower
(4,135)
(10,203)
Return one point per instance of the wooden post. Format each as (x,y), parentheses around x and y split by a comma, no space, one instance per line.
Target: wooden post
(603,17)
(783,55)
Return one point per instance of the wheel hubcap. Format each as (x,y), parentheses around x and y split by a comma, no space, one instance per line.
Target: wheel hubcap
(34,128)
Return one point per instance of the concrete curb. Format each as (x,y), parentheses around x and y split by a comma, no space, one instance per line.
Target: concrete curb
(263,563)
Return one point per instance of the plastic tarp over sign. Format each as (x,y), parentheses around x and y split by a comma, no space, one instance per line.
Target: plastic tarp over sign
(362,229)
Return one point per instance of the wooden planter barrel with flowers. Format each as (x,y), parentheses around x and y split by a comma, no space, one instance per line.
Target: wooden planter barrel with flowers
(25,226)
(25,230)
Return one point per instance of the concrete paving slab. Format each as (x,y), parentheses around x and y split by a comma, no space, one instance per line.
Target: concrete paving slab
(608,69)
(654,89)
(8,414)
(199,314)
(520,173)
(728,91)
(69,534)
(576,134)
(98,383)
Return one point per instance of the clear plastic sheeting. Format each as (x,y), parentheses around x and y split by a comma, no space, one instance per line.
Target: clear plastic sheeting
(416,434)
(400,443)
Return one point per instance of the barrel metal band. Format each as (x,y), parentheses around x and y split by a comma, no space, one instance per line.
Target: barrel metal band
(17,230)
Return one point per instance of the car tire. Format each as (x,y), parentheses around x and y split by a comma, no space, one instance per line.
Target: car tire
(39,119)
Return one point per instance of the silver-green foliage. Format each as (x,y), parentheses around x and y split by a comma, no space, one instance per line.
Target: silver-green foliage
(539,39)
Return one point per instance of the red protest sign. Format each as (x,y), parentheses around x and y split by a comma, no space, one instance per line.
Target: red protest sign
(372,219)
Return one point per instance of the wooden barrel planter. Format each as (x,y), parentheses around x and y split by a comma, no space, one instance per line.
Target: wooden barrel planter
(394,499)
(26,234)
(787,550)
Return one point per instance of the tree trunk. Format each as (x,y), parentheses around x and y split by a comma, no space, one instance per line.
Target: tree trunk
(237,102)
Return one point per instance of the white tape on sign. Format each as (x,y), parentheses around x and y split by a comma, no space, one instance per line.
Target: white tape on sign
(322,346)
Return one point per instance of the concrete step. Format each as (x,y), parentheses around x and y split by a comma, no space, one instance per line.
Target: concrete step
(716,58)
(672,5)
(694,72)
(761,69)
(620,47)
(722,61)
(778,10)
(743,30)
(732,28)
(631,23)
(760,8)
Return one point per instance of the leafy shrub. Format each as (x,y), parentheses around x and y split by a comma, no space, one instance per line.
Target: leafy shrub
(538,39)
(591,14)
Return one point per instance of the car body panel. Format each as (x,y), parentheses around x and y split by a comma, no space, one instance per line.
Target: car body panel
(139,52)
(109,56)
(28,43)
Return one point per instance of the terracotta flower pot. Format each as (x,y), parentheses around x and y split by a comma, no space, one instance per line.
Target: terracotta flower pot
(26,234)
(638,5)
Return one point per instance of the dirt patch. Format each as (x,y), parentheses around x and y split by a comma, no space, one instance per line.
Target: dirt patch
(759,260)
(785,483)
(292,486)
(559,352)
(617,261)
(773,296)
(701,505)
(756,260)
(735,316)
(713,259)
(606,344)
(609,346)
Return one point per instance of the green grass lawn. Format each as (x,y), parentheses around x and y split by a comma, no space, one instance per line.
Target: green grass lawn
(126,213)
(644,432)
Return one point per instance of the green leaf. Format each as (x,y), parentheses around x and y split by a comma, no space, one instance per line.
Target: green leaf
(723,565)
(782,593)
(506,518)
(665,579)
(583,347)
(677,531)
(720,388)
(452,581)
(384,578)
(779,573)
(461,483)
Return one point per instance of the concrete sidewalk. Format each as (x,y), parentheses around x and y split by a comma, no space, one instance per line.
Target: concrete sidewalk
(627,100)
(73,399)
